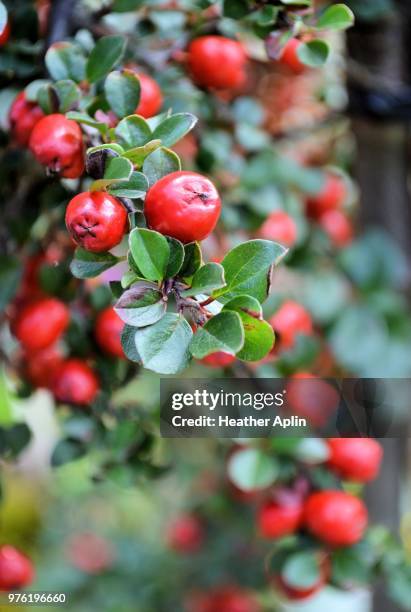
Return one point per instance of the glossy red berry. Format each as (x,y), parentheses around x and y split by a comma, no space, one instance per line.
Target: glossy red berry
(183,205)
(335,517)
(217,62)
(290,320)
(185,534)
(41,366)
(23,117)
(357,459)
(57,143)
(96,221)
(338,227)
(151,98)
(16,570)
(289,56)
(331,197)
(41,323)
(108,330)
(293,593)
(279,227)
(276,520)
(75,382)
(224,599)
(5,34)
(218,360)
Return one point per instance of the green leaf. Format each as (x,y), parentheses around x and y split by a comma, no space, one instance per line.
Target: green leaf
(133,131)
(135,187)
(66,61)
(248,269)
(160,163)
(335,17)
(351,566)
(6,407)
(258,334)
(14,439)
(124,6)
(163,347)
(112,145)
(88,265)
(175,127)
(117,171)
(236,9)
(176,258)
(128,342)
(46,99)
(67,450)
(301,570)
(141,305)
(224,332)
(108,52)
(312,450)
(122,91)
(313,53)
(150,251)
(87,120)
(138,154)
(68,94)
(192,259)
(3,17)
(251,469)
(33,88)
(11,272)
(207,278)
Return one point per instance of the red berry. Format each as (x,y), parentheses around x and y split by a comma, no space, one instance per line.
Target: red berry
(217,62)
(57,143)
(331,197)
(183,205)
(108,330)
(293,593)
(290,320)
(356,459)
(16,570)
(276,520)
(335,517)
(96,221)
(279,227)
(75,382)
(218,360)
(90,553)
(224,599)
(338,227)
(41,323)
(311,398)
(5,34)
(41,366)
(185,534)
(151,98)
(289,56)
(23,117)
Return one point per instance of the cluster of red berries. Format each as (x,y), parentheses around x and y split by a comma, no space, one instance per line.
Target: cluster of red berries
(326,209)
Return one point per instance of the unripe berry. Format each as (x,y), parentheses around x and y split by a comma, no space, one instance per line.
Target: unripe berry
(23,117)
(356,459)
(290,320)
(279,227)
(151,98)
(57,143)
(5,34)
(335,517)
(16,570)
(218,360)
(338,227)
(41,323)
(331,197)
(217,62)
(41,366)
(289,56)
(183,205)
(108,330)
(276,520)
(96,221)
(75,382)
(185,534)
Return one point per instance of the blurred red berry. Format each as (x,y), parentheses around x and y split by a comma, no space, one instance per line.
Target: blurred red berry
(41,323)
(57,143)
(217,62)
(40,366)
(16,570)
(289,56)
(224,599)
(331,197)
(108,330)
(290,320)
(218,360)
(335,517)
(276,520)
(357,459)
(279,227)
(75,382)
(151,98)
(185,534)
(311,398)
(23,117)
(90,553)
(96,221)
(5,34)
(338,227)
